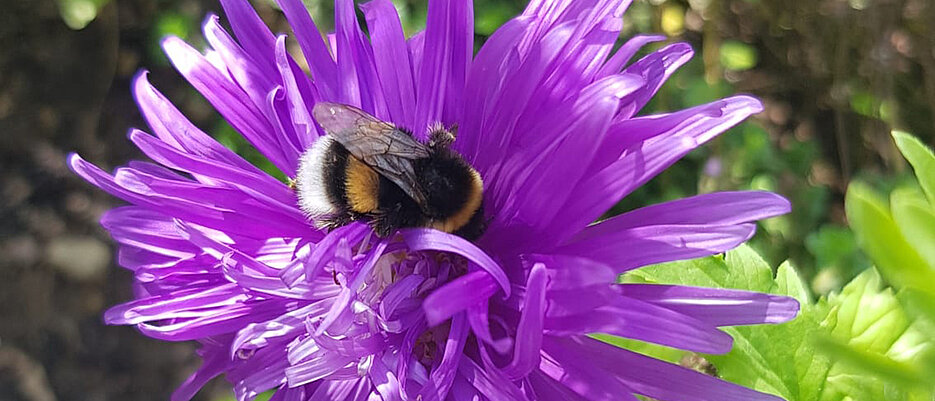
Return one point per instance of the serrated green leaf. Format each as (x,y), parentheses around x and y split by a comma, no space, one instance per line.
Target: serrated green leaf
(776,359)
(874,341)
(865,320)
(921,159)
(741,268)
(881,238)
(779,358)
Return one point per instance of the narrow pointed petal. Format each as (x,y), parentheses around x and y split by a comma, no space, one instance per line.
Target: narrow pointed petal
(359,81)
(631,318)
(320,62)
(719,208)
(578,375)
(214,364)
(171,126)
(647,159)
(626,52)
(456,296)
(393,63)
(635,247)
(529,330)
(446,58)
(428,239)
(229,100)
(495,62)
(717,307)
(656,68)
(652,377)
(253,34)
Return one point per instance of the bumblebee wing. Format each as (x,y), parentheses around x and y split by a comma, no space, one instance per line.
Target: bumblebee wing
(378,144)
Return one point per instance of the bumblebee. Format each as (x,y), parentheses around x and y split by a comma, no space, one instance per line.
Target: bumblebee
(369,170)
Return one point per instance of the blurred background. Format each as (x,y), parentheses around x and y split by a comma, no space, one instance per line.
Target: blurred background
(836,77)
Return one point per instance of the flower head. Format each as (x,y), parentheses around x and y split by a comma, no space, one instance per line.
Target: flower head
(546,111)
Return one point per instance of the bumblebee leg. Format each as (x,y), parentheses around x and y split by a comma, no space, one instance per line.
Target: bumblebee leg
(385,222)
(382,224)
(333,221)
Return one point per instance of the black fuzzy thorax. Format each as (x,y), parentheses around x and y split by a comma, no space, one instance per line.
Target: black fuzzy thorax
(446,181)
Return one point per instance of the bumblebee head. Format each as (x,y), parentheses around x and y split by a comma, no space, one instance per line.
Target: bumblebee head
(441,137)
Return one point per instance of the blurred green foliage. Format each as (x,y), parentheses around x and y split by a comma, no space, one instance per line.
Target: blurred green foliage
(899,236)
(77,14)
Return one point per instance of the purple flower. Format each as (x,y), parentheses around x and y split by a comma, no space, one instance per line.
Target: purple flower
(223,255)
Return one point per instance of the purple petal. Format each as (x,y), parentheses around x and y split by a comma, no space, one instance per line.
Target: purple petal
(446,58)
(322,365)
(384,381)
(626,52)
(495,61)
(332,390)
(578,375)
(655,68)
(528,342)
(547,389)
(319,59)
(250,381)
(359,81)
(215,363)
(260,186)
(252,33)
(197,209)
(424,239)
(479,319)
(719,208)
(443,375)
(458,295)
(542,167)
(631,318)
(393,65)
(489,383)
(630,248)
(259,335)
(642,162)
(229,100)
(649,376)
(299,98)
(717,307)
(506,107)
(173,128)
(579,300)
(573,272)
(147,230)
(416,46)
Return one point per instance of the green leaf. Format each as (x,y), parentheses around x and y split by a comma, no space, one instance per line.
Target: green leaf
(492,15)
(864,324)
(916,221)
(741,268)
(777,359)
(882,239)
(874,342)
(921,159)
